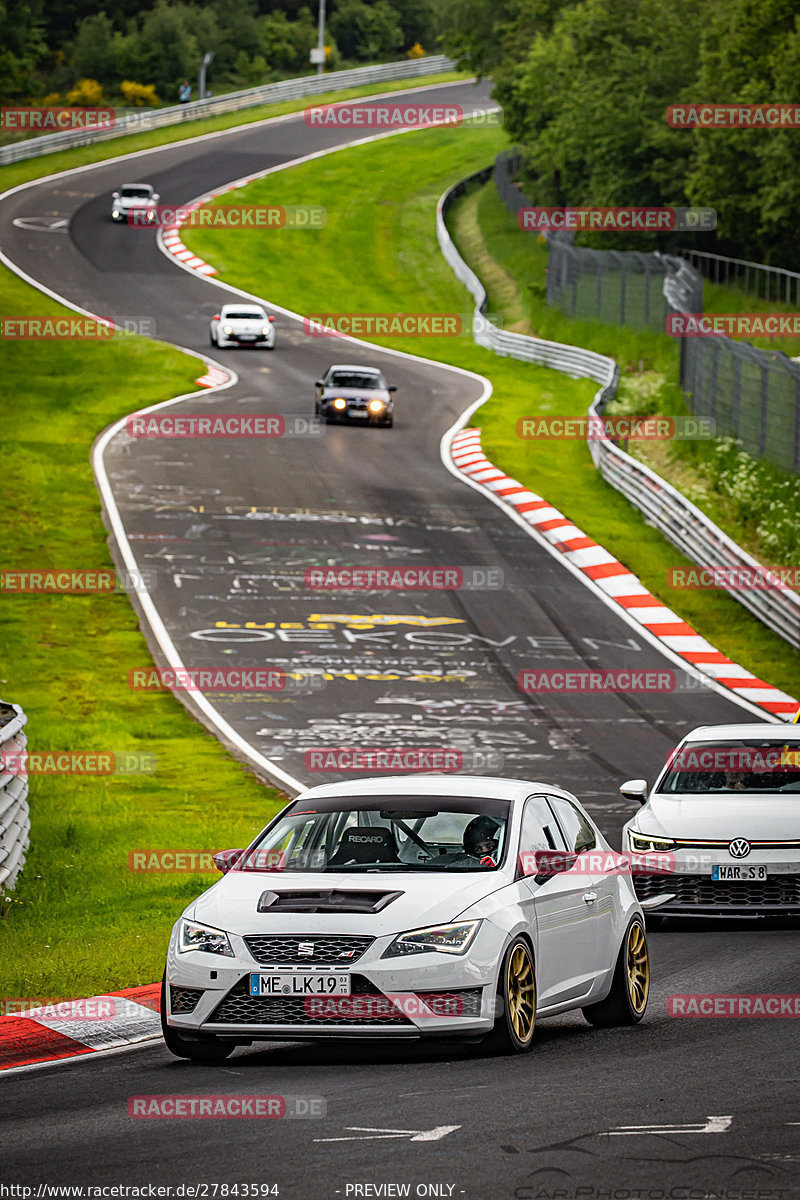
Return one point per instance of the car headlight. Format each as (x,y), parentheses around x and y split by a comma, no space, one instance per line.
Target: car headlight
(339,403)
(645,841)
(265,328)
(228,329)
(194,936)
(449,939)
(375,406)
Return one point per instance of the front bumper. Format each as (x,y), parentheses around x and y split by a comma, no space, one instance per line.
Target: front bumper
(381,1004)
(698,895)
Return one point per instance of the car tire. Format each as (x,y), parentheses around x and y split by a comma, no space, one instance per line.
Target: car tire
(211,341)
(207,1049)
(515,1023)
(388,423)
(626,1003)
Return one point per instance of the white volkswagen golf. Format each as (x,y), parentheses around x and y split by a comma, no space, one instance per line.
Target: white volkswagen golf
(724,814)
(405,908)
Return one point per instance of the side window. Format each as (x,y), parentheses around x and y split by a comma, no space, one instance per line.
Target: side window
(577,830)
(539,828)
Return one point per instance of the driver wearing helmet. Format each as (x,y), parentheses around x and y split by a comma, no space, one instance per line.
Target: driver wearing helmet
(481,840)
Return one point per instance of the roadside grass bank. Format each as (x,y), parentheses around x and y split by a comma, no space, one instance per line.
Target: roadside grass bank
(378,253)
(755,502)
(72,924)
(63,160)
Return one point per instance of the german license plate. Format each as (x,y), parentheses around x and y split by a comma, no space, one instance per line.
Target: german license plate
(724,872)
(297,983)
(357,412)
(247,337)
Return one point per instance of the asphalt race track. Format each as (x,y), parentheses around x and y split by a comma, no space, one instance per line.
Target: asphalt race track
(229,527)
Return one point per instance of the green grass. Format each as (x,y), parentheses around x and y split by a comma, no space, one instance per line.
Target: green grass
(72,924)
(388,223)
(63,160)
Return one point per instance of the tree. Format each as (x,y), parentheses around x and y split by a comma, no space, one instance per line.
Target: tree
(21,47)
(365,31)
(93,53)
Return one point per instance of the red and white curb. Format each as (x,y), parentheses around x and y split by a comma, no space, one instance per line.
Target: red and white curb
(618,584)
(58,1029)
(171,241)
(214,377)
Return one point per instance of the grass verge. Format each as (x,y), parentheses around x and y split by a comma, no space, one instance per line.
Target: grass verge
(389,224)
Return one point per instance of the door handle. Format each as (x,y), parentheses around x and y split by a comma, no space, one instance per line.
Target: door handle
(589,897)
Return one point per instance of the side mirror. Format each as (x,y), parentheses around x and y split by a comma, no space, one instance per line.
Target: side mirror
(540,865)
(392,388)
(156,197)
(215,317)
(634,789)
(270,318)
(225,859)
(319,383)
(115,195)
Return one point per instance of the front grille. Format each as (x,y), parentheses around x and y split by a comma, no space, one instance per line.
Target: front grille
(700,891)
(183,1000)
(329,949)
(240,1008)
(460,1003)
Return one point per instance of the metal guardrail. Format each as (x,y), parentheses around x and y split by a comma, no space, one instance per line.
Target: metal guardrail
(688,528)
(268,93)
(741,272)
(14,815)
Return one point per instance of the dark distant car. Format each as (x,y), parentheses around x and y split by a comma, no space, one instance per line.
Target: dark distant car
(349,393)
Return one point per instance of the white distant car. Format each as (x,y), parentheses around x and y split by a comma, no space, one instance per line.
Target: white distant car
(407,908)
(134,196)
(242,324)
(725,813)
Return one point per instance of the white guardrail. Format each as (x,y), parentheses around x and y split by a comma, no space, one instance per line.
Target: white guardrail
(269,93)
(681,522)
(15,821)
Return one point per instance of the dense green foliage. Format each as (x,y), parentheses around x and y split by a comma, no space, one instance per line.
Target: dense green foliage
(47,49)
(585,87)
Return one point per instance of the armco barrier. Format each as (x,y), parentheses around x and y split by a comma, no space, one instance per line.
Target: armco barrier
(663,506)
(14,815)
(268,93)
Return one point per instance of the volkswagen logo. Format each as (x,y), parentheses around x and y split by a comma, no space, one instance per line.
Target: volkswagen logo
(739,848)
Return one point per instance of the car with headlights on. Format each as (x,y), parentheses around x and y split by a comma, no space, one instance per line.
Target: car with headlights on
(360,394)
(242,325)
(724,815)
(135,196)
(400,908)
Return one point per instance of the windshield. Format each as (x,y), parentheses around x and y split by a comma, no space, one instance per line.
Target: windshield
(383,834)
(349,379)
(136,193)
(244,316)
(712,768)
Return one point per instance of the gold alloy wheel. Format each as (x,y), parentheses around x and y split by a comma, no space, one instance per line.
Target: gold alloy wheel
(638,968)
(521,991)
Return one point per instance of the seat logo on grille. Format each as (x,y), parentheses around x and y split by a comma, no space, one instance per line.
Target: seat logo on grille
(305,949)
(739,848)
